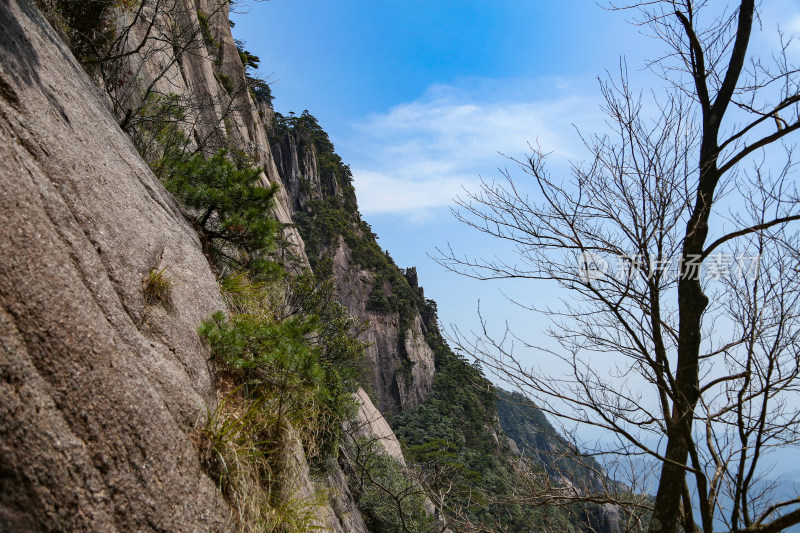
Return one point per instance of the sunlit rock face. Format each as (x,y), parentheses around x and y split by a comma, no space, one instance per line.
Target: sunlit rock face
(99,391)
(200,67)
(401,363)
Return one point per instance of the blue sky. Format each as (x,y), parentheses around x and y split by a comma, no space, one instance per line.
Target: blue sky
(421,98)
(350,58)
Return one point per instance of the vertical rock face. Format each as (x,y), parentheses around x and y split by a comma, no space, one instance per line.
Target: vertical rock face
(609,518)
(296,160)
(422,364)
(401,362)
(339,514)
(402,370)
(208,77)
(101,387)
(99,390)
(370,423)
(199,64)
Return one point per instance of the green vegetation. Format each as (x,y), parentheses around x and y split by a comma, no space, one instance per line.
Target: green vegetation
(157,130)
(377,300)
(287,353)
(389,500)
(238,452)
(260,90)
(205,31)
(325,220)
(288,344)
(249,60)
(228,207)
(459,407)
(454,437)
(157,288)
(84,23)
(226,82)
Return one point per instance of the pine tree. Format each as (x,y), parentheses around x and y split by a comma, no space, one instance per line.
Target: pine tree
(229,208)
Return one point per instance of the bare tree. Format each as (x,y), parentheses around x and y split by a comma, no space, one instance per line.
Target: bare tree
(387,491)
(701,312)
(145,57)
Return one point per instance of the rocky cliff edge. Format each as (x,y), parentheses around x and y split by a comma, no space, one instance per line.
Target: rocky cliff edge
(100,389)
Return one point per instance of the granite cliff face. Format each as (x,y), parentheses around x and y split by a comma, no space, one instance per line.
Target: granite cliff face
(401,362)
(170,51)
(101,391)
(296,160)
(402,366)
(208,77)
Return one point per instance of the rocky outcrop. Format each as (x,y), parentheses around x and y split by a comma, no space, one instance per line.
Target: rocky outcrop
(99,390)
(176,55)
(328,503)
(370,423)
(342,514)
(102,386)
(402,371)
(608,518)
(296,160)
(339,512)
(421,359)
(400,361)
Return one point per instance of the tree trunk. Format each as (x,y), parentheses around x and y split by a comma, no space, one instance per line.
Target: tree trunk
(692,302)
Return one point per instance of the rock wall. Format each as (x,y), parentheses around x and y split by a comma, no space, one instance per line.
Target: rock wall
(395,389)
(370,423)
(296,160)
(401,363)
(340,513)
(173,57)
(100,389)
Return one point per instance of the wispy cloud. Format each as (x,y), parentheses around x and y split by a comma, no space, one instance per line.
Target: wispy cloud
(417,156)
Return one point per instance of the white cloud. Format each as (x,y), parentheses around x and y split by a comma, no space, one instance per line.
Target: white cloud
(383,193)
(793,23)
(417,156)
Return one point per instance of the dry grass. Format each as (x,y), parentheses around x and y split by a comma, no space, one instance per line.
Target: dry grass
(157,287)
(239,452)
